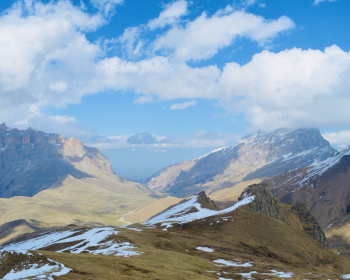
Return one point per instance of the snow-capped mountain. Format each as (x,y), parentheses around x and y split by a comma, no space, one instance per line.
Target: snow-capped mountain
(255,156)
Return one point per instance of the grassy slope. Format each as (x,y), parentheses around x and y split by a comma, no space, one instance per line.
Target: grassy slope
(101,200)
(152,209)
(266,242)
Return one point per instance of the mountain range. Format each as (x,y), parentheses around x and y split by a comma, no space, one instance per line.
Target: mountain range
(255,156)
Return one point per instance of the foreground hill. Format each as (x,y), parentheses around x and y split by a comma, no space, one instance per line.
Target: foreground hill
(256,239)
(256,156)
(47,180)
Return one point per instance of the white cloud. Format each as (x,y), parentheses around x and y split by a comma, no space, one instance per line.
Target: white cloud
(48,61)
(170,15)
(44,51)
(291,88)
(58,86)
(316,2)
(158,76)
(203,37)
(183,105)
(340,139)
(107,7)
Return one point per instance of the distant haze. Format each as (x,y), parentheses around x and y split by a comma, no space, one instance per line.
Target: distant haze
(139,163)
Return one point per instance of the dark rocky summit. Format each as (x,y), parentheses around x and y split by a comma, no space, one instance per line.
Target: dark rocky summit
(206,202)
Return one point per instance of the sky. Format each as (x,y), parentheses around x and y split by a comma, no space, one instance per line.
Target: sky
(152,83)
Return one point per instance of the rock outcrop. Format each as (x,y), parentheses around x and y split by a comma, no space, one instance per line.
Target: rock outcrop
(206,202)
(266,203)
(309,223)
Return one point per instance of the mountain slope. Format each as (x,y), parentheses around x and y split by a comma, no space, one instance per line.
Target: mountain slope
(325,188)
(47,180)
(241,244)
(256,156)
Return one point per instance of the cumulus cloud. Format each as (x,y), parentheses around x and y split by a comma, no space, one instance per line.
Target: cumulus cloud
(289,89)
(44,52)
(158,76)
(339,140)
(183,105)
(203,37)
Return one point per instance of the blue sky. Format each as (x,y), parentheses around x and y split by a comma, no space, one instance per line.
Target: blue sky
(152,83)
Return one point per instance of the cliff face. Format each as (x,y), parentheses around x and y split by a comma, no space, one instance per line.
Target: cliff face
(310,224)
(31,161)
(298,215)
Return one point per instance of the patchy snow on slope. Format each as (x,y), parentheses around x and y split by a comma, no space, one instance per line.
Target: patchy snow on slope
(93,241)
(318,168)
(205,249)
(212,152)
(280,274)
(37,271)
(182,213)
(222,262)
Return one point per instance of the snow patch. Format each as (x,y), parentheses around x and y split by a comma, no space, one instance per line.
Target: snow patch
(222,262)
(179,213)
(205,249)
(39,272)
(92,241)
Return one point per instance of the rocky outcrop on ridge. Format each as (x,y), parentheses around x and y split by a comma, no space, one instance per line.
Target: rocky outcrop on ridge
(266,203)
(206,202)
